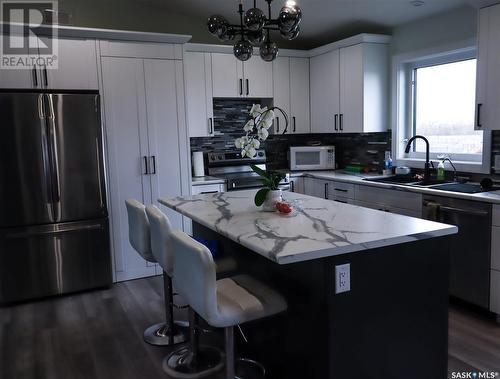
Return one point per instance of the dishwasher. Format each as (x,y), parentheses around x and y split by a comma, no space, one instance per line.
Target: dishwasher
(470,250)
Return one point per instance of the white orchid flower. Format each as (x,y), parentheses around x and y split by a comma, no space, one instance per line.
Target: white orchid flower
(255,143)
(248,151)
(263,134)
(255,111)
(238,143)
(249,126)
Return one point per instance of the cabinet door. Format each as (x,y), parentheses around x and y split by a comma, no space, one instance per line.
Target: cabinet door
(77,66)
(281,79)
(316,187)
(488,76)
(127,146)
(198,83)
(324,92)
(297,185)
(299,95)
(351,89)
(258,78)
(20,78)
(227,76)
(165,139)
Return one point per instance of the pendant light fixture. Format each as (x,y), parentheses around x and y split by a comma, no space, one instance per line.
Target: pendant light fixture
(255,29)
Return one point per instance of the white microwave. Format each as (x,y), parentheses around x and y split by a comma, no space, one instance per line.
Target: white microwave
(312,158)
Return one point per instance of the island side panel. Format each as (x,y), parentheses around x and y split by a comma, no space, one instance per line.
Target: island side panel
(394,321)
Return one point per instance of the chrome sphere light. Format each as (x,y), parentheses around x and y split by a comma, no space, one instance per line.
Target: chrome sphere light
(269,51)
(255,19)
(255,29)
(243,50)
(289,17)
(256,38)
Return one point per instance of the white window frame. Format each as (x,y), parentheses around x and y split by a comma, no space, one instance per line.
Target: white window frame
(403,66)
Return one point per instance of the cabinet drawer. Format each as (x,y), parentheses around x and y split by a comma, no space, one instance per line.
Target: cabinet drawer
(208,188)
(495,292)
(496,215)
(391,198)
(340,189)
(495,248)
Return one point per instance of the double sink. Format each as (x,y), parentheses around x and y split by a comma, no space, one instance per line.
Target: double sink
(442,185)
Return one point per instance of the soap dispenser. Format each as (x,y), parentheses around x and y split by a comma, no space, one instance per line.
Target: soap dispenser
(440,170)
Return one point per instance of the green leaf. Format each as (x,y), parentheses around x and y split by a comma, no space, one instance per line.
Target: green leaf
(259,171)
(260,196)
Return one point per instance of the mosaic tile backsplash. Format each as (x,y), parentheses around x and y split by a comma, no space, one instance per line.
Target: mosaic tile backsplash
(230,115)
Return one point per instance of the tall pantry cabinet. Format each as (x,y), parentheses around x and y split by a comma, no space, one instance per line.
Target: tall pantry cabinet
(146,138)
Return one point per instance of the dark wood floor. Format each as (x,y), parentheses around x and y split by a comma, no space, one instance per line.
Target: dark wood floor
(99,335)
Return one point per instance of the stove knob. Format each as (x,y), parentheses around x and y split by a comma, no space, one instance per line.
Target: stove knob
(261,154)
(220,157)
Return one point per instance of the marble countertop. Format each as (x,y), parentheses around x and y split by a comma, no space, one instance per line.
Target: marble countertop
(488,197)
(321,228)
(205,180)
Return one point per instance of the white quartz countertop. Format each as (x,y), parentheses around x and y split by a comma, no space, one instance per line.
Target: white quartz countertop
(488,197)
(321,228)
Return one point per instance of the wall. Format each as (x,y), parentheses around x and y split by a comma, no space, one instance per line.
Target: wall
(442,29)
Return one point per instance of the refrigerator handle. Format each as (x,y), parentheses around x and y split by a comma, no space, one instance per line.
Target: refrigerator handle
(41,113)
(54,154)
(98,164)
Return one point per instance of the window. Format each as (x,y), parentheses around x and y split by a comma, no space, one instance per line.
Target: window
(437,100)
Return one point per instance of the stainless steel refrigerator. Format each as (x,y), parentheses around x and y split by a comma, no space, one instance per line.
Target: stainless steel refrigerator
(54,234)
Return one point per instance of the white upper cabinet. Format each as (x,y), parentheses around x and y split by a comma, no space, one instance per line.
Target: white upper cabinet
(258,75)
(291,93)
(233,78)
(349,89)
(281,78)
(299,95)
(227,76)
(199,101)
(76,69)
(325,93)
(77,66)
(488,74)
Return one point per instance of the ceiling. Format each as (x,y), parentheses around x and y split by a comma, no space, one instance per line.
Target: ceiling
(324,20)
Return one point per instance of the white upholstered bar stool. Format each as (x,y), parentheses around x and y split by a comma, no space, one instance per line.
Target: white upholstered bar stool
(223,303)
(165,333)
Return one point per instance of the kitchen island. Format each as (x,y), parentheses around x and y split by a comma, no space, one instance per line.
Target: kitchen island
(392,320)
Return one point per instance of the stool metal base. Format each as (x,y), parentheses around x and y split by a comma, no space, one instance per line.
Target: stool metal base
(180,363)
(249,369)
(158,335)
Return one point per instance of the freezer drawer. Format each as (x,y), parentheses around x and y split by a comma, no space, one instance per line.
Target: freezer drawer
(54,259)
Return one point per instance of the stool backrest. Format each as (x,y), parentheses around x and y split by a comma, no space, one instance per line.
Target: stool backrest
(161,246)
(138,229)
(194,274)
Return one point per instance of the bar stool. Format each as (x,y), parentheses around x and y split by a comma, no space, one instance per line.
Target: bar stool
(164,333)
(224,303)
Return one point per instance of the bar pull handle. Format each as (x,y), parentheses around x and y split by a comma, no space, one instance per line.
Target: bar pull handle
(146,172)
(292,186)
(326,191)
(241,87)
(478,115)
(208,192)
(35,76)
(341,122)
(248,87)
(335,123)
(211,121)
(45,76)
(277,124)
(294,124)
(153,164)
(340,190)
